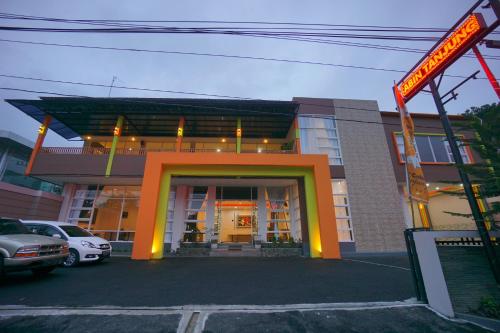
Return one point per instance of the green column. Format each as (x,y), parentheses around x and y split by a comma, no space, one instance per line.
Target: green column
(116,135)
(238,136)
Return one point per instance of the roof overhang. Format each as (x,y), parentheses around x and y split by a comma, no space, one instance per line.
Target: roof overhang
(77,117)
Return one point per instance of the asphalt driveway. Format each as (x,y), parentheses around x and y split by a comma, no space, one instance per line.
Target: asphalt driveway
(182,281)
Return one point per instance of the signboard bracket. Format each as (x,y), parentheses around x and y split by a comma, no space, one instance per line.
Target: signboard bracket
(452,90)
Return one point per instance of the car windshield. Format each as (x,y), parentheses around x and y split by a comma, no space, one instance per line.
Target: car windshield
(74,231)
(12,227)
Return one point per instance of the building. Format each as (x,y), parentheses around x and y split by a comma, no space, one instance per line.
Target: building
(22,196)
(159,173)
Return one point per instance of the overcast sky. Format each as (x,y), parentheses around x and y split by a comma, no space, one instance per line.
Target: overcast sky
(243,78)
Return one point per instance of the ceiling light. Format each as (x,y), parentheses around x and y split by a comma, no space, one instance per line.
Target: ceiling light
(133,138)
(259,150)
(427,184)
(223,140)
(88,137)
(437,188)
(218,150)
(266,141)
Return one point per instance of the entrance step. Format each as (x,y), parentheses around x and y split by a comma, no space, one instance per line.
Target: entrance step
(235,252)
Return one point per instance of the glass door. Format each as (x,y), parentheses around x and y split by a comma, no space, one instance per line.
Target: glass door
(235,215)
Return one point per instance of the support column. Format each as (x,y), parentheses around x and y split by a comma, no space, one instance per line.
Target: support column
(469,192)
(297,135)
(238,136)
(180,135)
(42,131)
(210,214)
(487,71)
(261,214)
(116,135)
(67,194)
(179,216)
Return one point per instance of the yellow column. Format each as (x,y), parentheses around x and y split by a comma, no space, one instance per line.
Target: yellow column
(180,135)
(116,135)
(238,136)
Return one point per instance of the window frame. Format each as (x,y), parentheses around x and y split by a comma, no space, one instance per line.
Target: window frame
(396,134)
(334,159)
(347,205)
(92,195)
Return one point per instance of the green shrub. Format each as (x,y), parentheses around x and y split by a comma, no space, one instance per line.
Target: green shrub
(489,307)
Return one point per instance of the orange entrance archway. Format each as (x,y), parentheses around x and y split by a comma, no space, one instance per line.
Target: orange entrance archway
(161,166)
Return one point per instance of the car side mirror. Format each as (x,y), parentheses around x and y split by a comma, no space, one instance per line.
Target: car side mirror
(56,236)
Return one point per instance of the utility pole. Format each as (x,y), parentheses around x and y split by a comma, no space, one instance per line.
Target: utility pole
(469,191)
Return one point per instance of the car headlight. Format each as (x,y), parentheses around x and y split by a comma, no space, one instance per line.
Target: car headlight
(28,251)
(88,244)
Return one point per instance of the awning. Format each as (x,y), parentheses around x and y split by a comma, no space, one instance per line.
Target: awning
(76,117)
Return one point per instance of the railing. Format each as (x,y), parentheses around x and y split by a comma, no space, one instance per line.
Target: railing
(99,150)
(144,151)
(206,150)
(287,151)
(220,150)
(75,150)
(463,241)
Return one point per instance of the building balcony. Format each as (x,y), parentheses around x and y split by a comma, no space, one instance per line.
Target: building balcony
(193,148)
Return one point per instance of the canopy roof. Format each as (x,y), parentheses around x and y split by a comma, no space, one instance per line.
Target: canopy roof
(74,117)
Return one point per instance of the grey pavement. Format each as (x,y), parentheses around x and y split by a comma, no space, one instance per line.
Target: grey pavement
(181,281)
(408,319)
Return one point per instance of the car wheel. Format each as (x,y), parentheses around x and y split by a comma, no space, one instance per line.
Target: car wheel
(73,258)
(43,270)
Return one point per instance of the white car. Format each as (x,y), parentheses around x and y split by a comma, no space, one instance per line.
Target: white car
(83,246)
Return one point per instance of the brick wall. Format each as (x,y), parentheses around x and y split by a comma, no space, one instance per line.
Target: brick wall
(377,216)
(468,276)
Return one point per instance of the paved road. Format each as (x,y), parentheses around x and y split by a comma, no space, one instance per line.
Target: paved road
(181,281)
(408,319)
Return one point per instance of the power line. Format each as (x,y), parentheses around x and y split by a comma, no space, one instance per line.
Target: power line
(119,87)
(410,50)
(99,85)
(198,31)
(131,100)
(13,16)
(91,84)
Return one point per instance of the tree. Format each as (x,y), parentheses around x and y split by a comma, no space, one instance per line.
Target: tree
(484,122)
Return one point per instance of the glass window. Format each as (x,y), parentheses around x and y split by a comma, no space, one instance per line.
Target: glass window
(278,214)
(424,148)
(13,173)
(439,149)
(195,214)
(109,212)
(342,210)
(12,227)
(432,149)
(318,135)
(51,231)
(170,215)
(74,231)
